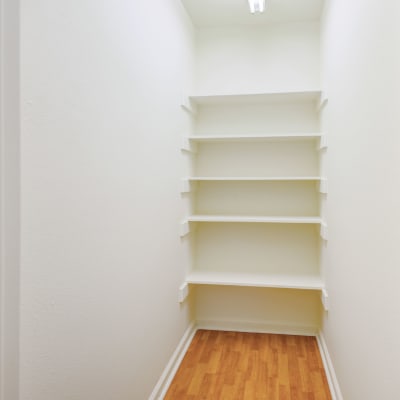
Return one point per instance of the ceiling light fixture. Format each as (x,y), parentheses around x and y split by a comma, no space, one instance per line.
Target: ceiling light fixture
(257,6)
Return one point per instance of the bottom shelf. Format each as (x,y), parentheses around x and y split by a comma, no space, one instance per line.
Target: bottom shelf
(254,309)
(307,282)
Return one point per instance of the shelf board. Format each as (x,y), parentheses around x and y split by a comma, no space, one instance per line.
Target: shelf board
(265,97)
(266,137)
(308,282)
(253,178)
(257,219)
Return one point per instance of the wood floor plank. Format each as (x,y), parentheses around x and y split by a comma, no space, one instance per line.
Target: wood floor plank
(250,366)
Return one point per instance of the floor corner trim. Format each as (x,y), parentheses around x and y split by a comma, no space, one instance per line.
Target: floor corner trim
(328,365)
(168,374)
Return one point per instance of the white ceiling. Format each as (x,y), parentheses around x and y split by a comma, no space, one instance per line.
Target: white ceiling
(236,12)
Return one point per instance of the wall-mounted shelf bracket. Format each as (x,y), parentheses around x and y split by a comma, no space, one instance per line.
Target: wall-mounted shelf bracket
(183,292)
(323,101)
(323,142)
(323,186)
(185,228)
(189,106)
(188,186)
(324,231)
(325,299)
(188,145)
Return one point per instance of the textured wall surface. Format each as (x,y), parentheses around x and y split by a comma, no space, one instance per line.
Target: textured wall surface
(101,255)
(361,63)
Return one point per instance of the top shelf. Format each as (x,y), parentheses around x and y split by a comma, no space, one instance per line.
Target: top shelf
(251,98)
(273,137)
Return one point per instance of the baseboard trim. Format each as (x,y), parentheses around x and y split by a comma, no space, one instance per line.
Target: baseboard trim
(169,372)
(328,365)
(256,327)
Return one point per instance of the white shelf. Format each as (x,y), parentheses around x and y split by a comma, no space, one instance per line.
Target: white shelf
(249,98)
(308,282)
(276,140)
(269,137)
(254,178)
(257,219)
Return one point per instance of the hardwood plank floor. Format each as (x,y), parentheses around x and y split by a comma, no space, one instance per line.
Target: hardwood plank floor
(250,366)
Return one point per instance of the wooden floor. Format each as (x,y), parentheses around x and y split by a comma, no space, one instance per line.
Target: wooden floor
(250,366)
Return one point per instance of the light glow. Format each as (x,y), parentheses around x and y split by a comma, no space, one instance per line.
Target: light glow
(257,6)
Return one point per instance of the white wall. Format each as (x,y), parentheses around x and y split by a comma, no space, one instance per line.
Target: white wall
(101,253)
(9,198)
(277,57)
(361,66)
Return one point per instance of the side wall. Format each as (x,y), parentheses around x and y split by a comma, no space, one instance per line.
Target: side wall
(361,66)
(9,199)
(101,255)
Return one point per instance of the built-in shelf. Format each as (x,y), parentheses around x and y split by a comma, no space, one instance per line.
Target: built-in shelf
(308,282)
(270,137)
(253,178)
(255,160)
(243,98)
(258,219)
(190,142)
(189,183)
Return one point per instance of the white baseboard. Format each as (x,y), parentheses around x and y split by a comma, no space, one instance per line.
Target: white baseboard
(328,365)
(256,327)
(169,372)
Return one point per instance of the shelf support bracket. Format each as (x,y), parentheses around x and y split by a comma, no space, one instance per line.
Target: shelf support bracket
(324,231)
(323,101)
(188,186)
(323,142)
(189,106)
(323,186)
(185,228)
(188,146)
(325,299)
(183,292)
